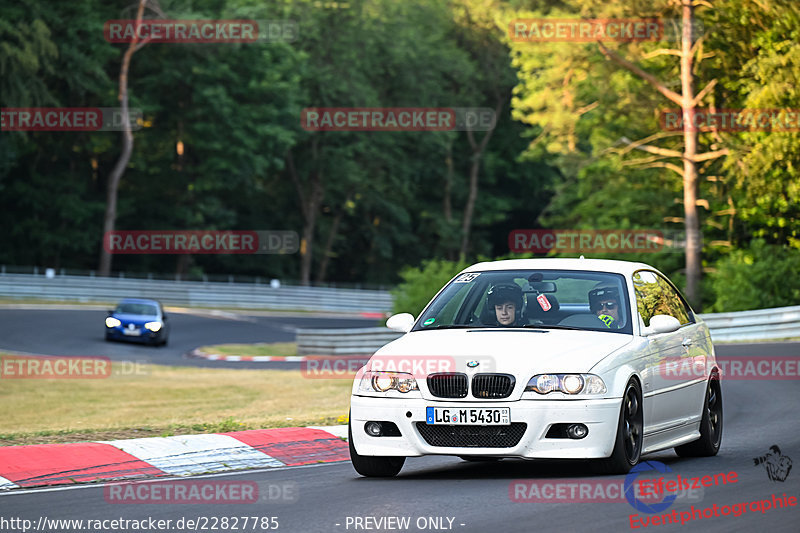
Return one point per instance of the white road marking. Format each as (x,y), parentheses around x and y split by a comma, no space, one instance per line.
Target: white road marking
(195,454)
(337,431)
(6,484)
(60,488)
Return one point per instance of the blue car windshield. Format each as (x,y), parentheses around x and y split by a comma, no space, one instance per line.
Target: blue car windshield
(571,299)
(137,309)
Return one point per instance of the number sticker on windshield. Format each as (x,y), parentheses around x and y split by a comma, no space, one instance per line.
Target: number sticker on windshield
(466,278)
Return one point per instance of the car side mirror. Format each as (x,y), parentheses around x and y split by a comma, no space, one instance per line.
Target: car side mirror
(110,312)
(402,322)
(164,316)
(661,324)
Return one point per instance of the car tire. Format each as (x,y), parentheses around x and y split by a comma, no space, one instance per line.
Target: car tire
(710,426)
(373,466)
(630,434)
(109,338)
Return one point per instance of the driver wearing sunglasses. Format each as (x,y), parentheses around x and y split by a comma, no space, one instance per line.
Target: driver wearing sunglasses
(604,302)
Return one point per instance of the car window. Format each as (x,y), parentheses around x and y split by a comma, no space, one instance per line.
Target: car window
(575,299)
(448,312)
(648,295)
(673,302)
(655,296)
(137,309)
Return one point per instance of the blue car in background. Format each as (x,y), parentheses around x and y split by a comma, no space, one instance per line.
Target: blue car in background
(138,320)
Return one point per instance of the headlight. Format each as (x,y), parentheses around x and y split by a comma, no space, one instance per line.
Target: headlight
(566,383)
(544,383)
(153,326)
(386,381)
(112,322)
(572,384)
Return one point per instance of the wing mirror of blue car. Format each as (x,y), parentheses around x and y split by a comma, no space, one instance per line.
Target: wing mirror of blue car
(661,324)
(402,322)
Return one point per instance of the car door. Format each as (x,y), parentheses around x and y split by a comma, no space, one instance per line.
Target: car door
(687,346)
(661,391)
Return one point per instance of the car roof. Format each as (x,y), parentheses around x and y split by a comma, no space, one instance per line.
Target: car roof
(138,301)
(592,265)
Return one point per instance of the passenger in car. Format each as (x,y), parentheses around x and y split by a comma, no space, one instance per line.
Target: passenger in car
(604,302)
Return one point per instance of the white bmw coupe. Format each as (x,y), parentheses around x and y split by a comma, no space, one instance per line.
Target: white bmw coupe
(541,359)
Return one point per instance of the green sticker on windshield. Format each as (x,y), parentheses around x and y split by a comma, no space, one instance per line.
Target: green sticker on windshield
(429,322)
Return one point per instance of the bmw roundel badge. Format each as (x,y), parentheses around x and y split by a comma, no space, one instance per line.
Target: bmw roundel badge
(472,364)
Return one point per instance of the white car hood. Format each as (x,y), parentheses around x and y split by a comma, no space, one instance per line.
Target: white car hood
(522,353)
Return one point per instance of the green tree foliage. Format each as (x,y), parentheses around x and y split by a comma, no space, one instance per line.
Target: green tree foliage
(760,69)
(222,125)
(579,108)
(757,277)
(420,284)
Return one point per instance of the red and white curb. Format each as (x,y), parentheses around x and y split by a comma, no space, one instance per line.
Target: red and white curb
(184,455)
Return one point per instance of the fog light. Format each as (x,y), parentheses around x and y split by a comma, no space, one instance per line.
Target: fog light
(577,431)
(373,429)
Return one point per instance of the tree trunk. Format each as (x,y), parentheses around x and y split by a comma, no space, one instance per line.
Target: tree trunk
(474,172)
(690,157)
(309,206)
(306,247)
(447,206)
(690,175)
(328,251)
(110,217)
(469,209)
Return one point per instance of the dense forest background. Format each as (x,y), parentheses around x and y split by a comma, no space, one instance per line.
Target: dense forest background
(376,208)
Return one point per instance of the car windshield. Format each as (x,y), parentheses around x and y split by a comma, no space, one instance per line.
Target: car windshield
(137,309)
(553,299)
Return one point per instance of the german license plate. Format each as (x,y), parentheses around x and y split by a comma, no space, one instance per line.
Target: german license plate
(468,416)
(133,332)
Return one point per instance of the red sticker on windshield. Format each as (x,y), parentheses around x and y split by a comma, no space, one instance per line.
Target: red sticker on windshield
(543,302)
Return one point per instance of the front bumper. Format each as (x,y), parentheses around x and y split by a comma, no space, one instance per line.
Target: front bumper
(145,335)
(600,416)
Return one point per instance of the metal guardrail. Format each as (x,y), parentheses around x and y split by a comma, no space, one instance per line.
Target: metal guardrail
(763,324)
(357,341)
(193,293)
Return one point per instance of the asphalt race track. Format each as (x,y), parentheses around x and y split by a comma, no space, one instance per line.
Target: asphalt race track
(475,496)
(81,332)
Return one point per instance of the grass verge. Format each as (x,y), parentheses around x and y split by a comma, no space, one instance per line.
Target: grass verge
(157,400)
(282,349)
